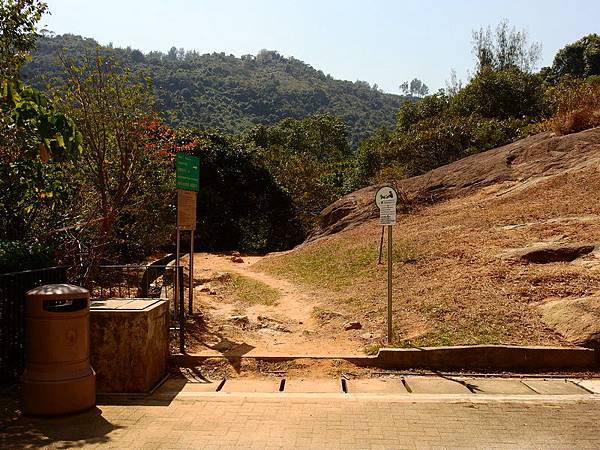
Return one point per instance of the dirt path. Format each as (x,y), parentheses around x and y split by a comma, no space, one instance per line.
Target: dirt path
(289,326)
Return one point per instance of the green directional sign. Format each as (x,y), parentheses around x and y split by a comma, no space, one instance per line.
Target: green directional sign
(187,172)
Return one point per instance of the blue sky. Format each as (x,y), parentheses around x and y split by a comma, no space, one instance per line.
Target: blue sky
(379,41)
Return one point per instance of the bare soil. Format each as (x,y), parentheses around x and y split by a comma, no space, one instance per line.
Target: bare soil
(302,321)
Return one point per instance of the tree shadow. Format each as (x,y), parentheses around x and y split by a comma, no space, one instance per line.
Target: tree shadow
(73,431)
(232,351)
(471,387)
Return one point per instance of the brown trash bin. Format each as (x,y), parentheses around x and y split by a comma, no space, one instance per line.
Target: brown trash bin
(58,377)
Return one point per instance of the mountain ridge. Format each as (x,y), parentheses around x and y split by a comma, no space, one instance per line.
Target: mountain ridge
(232,94)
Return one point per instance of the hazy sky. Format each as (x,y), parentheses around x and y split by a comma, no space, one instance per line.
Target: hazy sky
(380,41)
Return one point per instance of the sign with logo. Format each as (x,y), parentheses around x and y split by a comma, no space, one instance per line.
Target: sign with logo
(386,199)
(187,172)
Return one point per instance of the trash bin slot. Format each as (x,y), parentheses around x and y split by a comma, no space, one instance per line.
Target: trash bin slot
(63,306)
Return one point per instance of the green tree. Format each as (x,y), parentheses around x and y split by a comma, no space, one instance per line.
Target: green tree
(240,204)
(39,148)
(411,113)
(126,184)
(218,91)
(18,20)
(510,93)
(580,59)
(416,88)
(373,156)
(504,48)
(309,158)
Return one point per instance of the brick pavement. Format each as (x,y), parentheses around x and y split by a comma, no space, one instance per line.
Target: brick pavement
(284,421)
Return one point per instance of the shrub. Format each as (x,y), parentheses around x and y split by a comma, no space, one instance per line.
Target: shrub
(19,255)
(500,95)
(575,104)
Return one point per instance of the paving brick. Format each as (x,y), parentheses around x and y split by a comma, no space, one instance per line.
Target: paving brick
(258,421)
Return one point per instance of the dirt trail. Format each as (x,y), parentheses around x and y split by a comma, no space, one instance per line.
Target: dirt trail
(293,328)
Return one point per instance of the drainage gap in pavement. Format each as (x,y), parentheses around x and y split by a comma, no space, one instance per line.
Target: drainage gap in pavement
(282,385)
(406,386)
(344,386)
(221,384)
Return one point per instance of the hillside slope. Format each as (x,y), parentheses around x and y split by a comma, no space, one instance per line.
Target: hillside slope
(232,94)
(537,156)
(506,253)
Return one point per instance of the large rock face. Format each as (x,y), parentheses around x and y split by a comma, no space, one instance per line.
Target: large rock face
(577,319)
(537,156)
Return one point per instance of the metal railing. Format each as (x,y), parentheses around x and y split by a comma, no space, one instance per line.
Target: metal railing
(13,287)
(131,281)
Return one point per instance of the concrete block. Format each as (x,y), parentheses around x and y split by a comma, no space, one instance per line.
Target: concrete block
(332,386)
(555,387)
(498,386)
(435,385)
(376,386)
(489,357)
(250,385)
(590,385)
(129,344)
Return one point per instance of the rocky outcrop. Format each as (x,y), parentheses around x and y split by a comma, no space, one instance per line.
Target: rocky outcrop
(576,319)
(537,156)
(552,252)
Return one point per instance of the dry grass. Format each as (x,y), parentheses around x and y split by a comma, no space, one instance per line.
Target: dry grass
(577,106)
(451,286)
(335,267)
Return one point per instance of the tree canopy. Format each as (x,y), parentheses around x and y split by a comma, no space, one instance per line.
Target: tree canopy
(505,48)
(580,59)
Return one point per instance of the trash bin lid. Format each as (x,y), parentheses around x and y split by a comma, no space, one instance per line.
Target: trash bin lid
(59,291)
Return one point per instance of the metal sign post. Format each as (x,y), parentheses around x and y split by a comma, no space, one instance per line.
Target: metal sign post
(187,182)
(386,199)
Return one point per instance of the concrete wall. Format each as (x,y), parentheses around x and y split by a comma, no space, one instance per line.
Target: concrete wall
(129,348)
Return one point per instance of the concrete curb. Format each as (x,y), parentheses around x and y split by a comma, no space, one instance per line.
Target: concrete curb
(492,358)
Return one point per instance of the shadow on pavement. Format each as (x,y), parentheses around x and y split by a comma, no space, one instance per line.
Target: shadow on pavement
(19,431)
(471,387)
(162,396)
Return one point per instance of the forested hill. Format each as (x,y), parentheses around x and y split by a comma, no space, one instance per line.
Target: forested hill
(232,94)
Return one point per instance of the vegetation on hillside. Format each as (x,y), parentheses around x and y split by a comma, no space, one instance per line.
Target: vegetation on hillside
(87,171)
(504,101)
(228,93)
